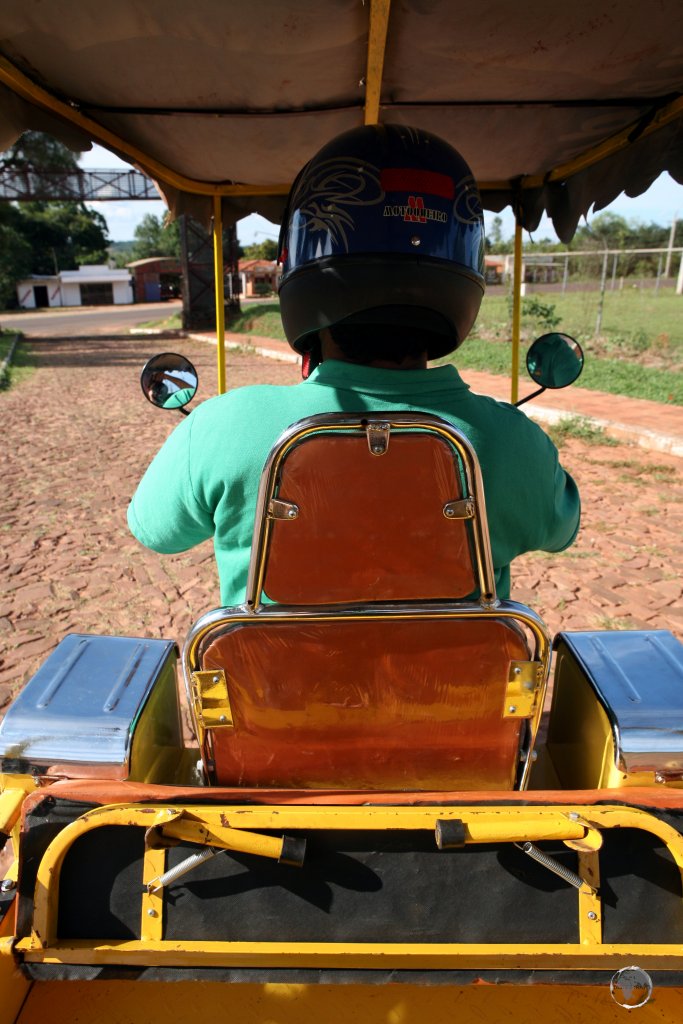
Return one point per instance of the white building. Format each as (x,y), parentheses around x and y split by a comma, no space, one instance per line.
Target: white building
(95,285)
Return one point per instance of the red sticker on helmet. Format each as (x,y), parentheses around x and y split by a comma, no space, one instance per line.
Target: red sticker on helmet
(407,179)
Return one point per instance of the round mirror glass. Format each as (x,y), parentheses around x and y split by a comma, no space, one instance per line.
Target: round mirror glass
(169,380)
(554,360)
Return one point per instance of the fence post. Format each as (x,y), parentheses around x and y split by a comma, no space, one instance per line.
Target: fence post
(672,237)
(601,301)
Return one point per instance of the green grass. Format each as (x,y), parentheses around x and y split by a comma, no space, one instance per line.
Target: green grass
(262,320)
(607,622)
(635,321)
(639,354)
(22,365)
(614,376)
(169,323)
(580,428)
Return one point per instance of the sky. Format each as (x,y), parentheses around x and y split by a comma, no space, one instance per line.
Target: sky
(661,203)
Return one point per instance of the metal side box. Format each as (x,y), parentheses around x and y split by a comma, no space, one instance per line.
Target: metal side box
(99,707)
(617,711)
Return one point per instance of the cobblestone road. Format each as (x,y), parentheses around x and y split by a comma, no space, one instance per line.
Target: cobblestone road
(78,434)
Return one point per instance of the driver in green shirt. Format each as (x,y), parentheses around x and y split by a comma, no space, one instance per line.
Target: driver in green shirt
(382,248)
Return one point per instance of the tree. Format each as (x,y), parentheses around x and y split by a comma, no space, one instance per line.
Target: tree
(39,152)
(154,238)
(64,236)
(266,250)
(15,255)
(44,237)
(494,237)
(610,231)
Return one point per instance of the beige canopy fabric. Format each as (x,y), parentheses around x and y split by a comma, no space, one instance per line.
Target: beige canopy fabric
(213,94)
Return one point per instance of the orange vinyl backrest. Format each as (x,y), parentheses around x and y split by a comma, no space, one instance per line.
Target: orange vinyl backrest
(369,528)
(367,703)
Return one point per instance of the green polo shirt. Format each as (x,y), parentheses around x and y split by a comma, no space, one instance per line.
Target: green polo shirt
(204,481)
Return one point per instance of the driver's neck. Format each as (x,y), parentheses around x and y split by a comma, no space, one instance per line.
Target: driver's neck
(330,350)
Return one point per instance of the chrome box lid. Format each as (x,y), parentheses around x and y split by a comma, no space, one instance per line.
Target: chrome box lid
(80,707)
(638,678)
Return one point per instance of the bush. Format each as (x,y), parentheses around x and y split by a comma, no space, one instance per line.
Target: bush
(542,312)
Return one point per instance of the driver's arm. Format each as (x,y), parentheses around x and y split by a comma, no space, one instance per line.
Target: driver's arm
(165,514)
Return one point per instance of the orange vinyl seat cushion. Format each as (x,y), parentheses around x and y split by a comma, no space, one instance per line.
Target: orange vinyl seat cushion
(375,703)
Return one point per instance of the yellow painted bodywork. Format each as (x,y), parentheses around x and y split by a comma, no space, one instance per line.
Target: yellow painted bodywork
(13,986)
(132,1002)
(158,754)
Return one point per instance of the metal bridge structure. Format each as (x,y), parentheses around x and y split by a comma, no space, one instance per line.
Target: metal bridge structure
(19,184)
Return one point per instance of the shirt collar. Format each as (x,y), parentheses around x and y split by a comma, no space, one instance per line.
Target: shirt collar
(338,374)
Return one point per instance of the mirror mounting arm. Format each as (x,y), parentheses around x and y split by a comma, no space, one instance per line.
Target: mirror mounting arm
(527,398)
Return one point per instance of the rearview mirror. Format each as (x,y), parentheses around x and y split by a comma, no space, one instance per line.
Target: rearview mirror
(555,360)
(169,381)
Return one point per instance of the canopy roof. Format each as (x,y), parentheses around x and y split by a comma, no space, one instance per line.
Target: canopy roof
(555,107)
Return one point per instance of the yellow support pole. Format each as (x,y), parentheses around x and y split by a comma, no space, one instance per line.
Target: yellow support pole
(516,312)
(377,41)
(220,298)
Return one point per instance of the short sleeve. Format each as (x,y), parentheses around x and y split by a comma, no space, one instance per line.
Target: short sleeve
(164,513)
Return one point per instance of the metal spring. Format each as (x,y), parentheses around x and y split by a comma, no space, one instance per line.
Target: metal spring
(181,869)
(550,863)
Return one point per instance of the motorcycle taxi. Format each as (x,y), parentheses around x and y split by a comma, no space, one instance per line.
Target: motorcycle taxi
(369,801)
(375,822)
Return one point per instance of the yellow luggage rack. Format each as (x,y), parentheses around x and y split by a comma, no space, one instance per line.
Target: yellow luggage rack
(248,830)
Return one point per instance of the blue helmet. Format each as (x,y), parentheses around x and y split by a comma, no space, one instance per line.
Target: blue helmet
(383,226)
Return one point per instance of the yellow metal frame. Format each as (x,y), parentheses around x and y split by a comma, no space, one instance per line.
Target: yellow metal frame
(377,42)
(482,824)
(516,312)
(218,276)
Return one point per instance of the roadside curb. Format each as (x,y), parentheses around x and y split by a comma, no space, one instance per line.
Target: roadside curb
(7,361)
(268,353)
(642,437)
